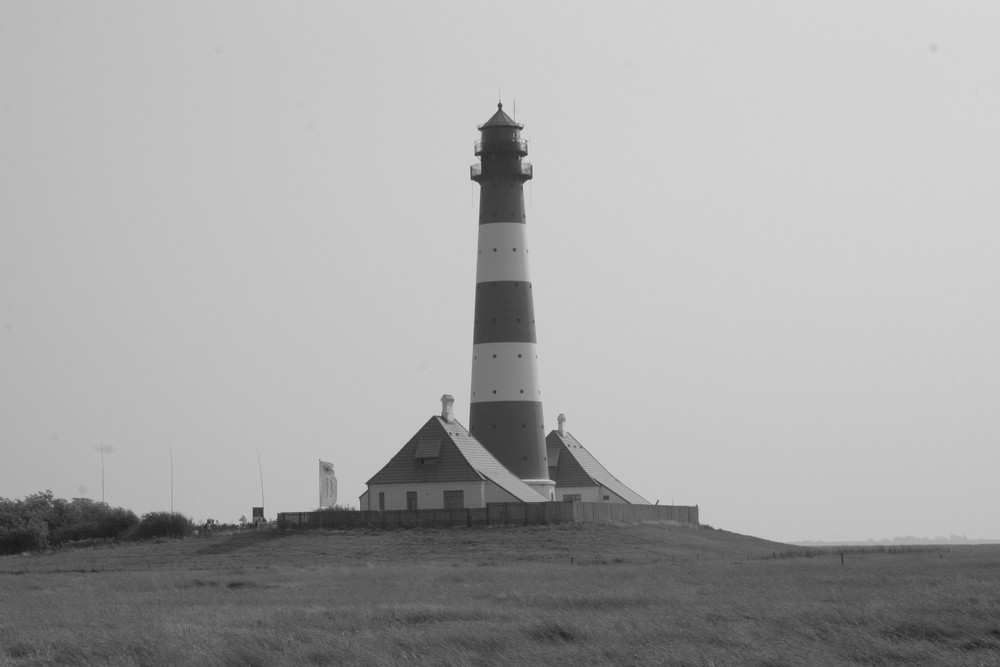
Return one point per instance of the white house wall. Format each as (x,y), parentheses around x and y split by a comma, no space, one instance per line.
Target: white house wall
(612,496)
(429,496)
(589,494)
(496,494)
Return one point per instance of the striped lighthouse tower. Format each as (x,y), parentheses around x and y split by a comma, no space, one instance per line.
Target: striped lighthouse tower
(506,402)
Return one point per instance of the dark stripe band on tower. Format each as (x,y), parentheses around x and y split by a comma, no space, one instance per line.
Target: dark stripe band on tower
(517,423)
(505,313)
(501,200)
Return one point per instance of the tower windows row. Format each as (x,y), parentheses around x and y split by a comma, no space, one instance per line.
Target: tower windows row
(472,428)
(475,357)
(493,320)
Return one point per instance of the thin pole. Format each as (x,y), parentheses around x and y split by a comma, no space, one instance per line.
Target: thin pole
(171,448)
(102,471)
(103,449)
(261,469)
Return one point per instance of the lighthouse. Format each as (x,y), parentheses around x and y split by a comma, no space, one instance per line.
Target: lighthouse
(504,456)
(506,398)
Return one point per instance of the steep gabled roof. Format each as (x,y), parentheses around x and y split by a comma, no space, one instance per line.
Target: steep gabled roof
(577,467)
(427,457)
(460,458)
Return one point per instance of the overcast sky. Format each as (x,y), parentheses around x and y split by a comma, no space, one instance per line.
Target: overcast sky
(765,242)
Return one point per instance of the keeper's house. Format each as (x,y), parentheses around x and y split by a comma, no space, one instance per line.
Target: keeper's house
(444,467)
(579,476)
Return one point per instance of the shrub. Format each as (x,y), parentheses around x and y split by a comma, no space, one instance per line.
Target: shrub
(24,524)
(161,524)
(106,523)
(19,540)
(40,521)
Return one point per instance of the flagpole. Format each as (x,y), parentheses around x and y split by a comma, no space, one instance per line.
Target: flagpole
(171,448)
(260,468)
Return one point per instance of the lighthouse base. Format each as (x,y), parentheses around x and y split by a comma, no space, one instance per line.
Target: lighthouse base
(546,487)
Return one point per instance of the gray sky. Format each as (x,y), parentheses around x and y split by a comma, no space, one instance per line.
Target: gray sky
(764,236)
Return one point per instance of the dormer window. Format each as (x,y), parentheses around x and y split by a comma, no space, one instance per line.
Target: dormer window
(428,450)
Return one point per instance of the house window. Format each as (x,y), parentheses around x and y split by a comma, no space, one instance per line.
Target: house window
(571,496)
(381,501)
(411,500)
(607,497)
(454,500)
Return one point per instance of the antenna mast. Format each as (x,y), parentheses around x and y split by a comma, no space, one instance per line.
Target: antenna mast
(171,448)
(260,468)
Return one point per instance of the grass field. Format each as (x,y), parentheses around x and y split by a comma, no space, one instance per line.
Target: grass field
(558,595)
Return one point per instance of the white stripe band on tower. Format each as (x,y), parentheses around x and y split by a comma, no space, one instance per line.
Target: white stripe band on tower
(503,252)
(505,372)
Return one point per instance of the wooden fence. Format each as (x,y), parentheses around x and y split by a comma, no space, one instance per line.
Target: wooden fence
(494,514)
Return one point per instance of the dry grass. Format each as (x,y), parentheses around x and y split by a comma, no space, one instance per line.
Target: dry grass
(557,596)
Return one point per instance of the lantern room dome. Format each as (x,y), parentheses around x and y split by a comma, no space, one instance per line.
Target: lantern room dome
(500,119)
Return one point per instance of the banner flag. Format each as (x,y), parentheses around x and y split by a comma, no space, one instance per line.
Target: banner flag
(327,485)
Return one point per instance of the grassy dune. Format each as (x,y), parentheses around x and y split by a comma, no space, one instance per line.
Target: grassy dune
(541,595)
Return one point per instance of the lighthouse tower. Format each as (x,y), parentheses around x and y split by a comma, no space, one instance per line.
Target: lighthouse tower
(506,401)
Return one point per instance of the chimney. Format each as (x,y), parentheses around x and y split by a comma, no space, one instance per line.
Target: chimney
(448,408)
(562,420)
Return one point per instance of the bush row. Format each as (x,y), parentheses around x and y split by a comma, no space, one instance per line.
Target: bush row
(40,522)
